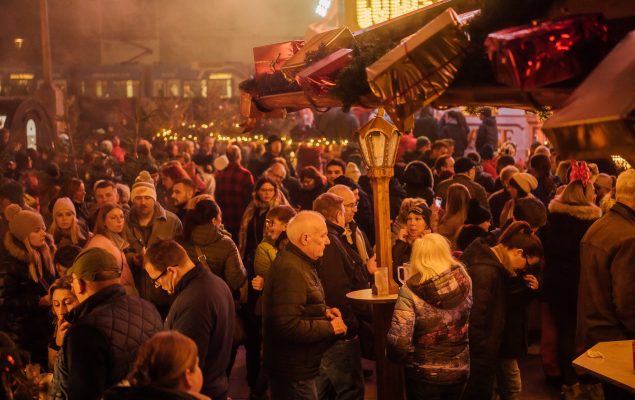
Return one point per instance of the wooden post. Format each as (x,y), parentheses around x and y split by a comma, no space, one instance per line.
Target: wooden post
(380,180)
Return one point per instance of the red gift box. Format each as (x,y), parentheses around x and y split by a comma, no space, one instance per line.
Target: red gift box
(319,77)
(270,58)
(530,57)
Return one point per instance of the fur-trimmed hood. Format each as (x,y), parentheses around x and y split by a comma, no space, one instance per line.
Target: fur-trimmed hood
(17,250)
(587,212)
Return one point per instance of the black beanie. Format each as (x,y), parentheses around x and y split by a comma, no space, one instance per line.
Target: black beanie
(477,214)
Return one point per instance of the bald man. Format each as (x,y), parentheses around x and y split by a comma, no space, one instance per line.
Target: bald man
(355,237)
(297,326)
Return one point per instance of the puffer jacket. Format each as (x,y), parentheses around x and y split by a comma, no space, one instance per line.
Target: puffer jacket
(429,327)
(99,348)
(220,252)
(296,331)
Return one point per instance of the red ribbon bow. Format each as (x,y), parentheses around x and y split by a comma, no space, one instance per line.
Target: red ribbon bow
(580,172)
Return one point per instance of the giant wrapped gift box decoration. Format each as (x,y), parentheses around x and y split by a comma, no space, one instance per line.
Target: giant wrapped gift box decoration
(269,58)
(530,57)
(335,39)
(420,69)
(318,78)
(598,119)
(404,25)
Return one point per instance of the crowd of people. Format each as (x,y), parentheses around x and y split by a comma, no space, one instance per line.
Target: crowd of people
(139,272)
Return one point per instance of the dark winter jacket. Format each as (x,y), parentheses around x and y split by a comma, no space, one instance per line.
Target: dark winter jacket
(340,274)
(566,226)
(487,133)
(21,317)
(514,340)
(220,252)
(487,318)
(147,393)
(429,327)
(203,310)
(99,348)
(606,295)
(296,331)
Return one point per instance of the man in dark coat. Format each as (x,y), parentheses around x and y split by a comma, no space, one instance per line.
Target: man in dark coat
(487,131)
(297,326)
(339,273)
(606,293)
(202,309)
(107,329)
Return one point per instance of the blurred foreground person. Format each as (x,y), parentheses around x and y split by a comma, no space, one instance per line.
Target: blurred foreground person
(606,296)
(107,329)
(166,368)
(297,326)
(202,309)
(429,329)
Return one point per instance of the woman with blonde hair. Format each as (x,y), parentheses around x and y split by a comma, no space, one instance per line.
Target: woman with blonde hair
(456,208)
(429,330)
(27,272)
(166,368)
(66,228)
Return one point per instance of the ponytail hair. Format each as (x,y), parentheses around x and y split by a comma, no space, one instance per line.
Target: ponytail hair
(519,235)
(163,360)
(202,214)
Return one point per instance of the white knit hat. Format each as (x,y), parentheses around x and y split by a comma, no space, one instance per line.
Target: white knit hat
(144,186)
(63,203)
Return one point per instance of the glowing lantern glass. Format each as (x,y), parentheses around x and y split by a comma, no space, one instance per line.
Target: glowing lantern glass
(378,142)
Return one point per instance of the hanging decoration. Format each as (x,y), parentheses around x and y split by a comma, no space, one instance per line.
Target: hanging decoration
(420,69)
(548,52)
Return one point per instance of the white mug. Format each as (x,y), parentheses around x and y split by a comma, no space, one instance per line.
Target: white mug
(403,270)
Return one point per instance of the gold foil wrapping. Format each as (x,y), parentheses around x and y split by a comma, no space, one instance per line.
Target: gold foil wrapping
(334,39)
(420,69)
(598,120)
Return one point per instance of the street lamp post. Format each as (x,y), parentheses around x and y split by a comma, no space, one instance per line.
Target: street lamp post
(378,141)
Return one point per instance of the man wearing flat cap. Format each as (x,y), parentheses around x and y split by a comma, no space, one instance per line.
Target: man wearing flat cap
(107,329)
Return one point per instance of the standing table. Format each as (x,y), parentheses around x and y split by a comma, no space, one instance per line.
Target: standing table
(390,377)
(615,365)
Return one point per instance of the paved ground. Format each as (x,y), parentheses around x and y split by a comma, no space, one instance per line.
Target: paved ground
(534,387)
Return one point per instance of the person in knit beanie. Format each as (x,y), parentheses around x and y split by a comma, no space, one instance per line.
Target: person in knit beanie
(146,223)
(144,186)
(66,229)
(28,270)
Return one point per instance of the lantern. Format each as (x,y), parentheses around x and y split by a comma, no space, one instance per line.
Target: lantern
(378,141)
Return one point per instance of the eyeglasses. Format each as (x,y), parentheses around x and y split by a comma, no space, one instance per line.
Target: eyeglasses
(155,281)
(268,222)
(352,205)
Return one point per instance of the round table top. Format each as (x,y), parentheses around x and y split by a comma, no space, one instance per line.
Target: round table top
(367,296)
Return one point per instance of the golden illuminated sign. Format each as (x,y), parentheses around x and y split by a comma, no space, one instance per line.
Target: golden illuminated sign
(21,76)
(370,12)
